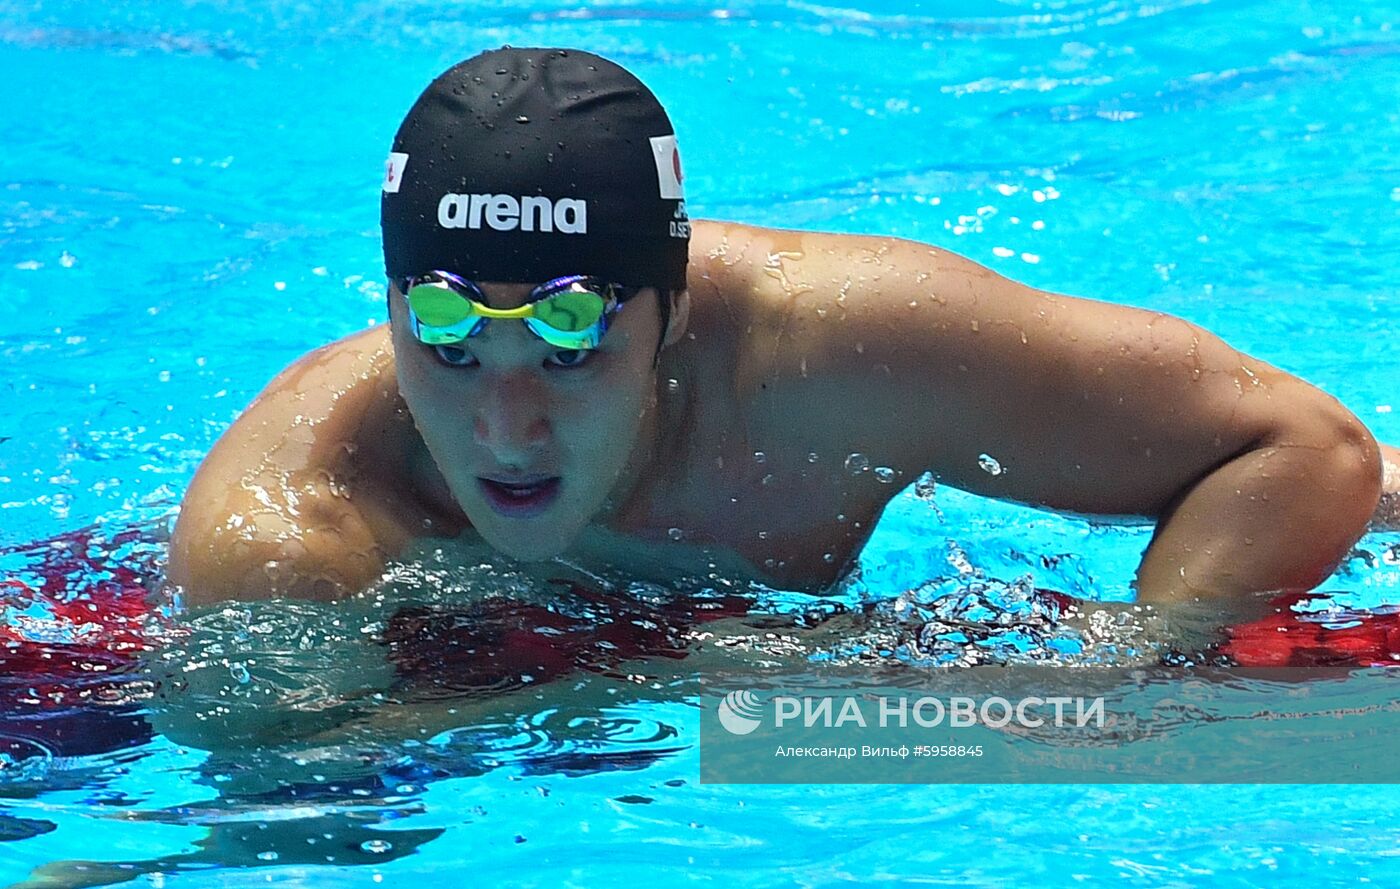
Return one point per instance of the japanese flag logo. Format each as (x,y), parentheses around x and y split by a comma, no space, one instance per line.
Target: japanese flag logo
(668,167)
(393,171)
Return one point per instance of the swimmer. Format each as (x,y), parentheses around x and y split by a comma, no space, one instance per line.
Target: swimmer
(577,374)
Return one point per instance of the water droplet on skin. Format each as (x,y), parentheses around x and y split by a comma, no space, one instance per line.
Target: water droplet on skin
(828,558)
(989,464)
(759,456)
(673,385)
(768,479)
(857,463)
(767,563)
(812,457)
(924,486)
(762,535)
(376,846)
(675,534)
(884,474)
(522,119)
(841,517)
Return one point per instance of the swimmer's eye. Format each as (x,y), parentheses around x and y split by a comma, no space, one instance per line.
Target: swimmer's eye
(569,357)
(454,356)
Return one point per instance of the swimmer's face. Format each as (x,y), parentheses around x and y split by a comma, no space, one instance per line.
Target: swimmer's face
(530,438)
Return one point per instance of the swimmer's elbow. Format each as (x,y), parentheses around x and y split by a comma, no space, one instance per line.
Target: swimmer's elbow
(1361,470)
(1349,468)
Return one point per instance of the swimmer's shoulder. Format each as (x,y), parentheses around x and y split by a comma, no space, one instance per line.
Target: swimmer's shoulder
(735,303)
(313,487)
(793,309)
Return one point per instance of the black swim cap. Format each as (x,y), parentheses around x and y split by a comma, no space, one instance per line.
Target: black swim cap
(524,165)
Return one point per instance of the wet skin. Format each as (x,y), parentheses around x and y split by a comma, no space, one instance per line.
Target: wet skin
(790,351)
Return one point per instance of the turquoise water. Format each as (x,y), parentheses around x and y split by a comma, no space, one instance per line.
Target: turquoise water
(179,180)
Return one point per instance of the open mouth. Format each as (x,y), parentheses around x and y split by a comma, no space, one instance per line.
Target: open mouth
(517,499)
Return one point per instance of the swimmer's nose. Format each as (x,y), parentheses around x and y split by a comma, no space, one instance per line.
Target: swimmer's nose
(512,418)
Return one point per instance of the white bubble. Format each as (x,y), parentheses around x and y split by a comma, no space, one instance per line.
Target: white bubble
(989,464)
(884,474)
(924,486)
(269,855)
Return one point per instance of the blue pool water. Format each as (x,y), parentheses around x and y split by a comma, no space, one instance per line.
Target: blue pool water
(180,180)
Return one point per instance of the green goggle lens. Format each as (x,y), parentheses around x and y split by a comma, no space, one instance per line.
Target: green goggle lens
(572,311)
(438,306)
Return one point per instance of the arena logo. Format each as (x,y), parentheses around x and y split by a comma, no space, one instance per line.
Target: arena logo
(506,213)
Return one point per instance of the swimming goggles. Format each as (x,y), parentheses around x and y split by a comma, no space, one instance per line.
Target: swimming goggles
(569,313)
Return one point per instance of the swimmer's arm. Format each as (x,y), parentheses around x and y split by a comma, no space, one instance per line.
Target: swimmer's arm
(219,552)
(268,513)
(1257,480)
(239,538)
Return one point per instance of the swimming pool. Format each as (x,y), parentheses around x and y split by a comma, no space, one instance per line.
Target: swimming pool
(178,176)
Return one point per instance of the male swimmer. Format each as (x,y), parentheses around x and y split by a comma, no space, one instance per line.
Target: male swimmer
(580,375)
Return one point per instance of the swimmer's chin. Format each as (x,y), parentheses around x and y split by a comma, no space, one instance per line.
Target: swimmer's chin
(523,547)
(533,555)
